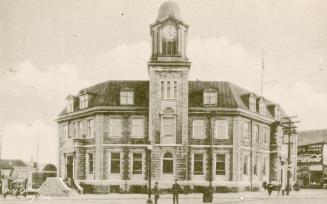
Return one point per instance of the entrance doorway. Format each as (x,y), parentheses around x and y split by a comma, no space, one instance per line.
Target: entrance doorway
(69,167)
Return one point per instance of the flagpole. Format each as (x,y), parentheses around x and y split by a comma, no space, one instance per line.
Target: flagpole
(262,68)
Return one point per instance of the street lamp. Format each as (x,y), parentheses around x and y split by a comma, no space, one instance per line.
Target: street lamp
(148,150)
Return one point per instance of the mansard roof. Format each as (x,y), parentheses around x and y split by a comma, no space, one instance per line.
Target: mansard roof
(229,95)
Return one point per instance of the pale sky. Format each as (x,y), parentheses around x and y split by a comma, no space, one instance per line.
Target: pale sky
(49,49)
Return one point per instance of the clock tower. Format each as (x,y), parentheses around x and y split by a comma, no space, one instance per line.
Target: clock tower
(168,72)
(168,106)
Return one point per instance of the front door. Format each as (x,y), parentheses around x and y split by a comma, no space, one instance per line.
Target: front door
(69,167)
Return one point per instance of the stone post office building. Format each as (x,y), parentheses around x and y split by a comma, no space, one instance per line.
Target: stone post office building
(196,131)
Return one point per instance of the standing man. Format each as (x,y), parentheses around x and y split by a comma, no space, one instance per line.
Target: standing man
(156,193)
(175,189)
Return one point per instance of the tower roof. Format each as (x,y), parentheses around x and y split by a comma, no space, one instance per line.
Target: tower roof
(169,8)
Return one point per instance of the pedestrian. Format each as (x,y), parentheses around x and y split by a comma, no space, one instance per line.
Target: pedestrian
(264,185)
(279,188)
(283,187)
(156,193)
(175,189)
(269,188)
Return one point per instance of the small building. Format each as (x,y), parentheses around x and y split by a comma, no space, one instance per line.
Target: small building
(16,170)
(312,158)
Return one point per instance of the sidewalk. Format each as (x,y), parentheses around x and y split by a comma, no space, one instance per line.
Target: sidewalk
(220,198)
(197,197)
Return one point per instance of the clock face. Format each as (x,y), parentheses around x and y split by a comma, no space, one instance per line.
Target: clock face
(169,32)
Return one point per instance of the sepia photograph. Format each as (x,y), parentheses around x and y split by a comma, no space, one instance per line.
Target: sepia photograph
(157,102)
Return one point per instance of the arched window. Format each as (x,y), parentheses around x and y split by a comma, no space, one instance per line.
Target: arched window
(168,163)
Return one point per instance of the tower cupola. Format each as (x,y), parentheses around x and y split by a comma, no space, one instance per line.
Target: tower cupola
(169,35)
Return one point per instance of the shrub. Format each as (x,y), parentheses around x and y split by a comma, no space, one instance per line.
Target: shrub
(138,189)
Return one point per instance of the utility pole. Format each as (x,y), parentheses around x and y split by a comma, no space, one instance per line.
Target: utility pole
(208,193)
(1,145)
(290,129)
(262,68)
(37,158)
(148,151)
(210,150)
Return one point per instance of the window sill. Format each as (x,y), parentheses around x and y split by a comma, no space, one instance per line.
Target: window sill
(137,137)
(169,99)
(198,138)
(167,174)
(221,138)
(220,175)
(114,174)
(111,136)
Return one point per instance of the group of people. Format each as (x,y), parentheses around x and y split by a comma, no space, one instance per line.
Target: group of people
(175,189)
(280,188)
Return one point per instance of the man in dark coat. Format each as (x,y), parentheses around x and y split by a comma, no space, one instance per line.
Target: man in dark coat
(175,189)
(156,193)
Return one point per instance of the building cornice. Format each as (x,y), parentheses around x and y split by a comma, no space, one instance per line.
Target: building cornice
(145,109)
(232,111)
(102,109)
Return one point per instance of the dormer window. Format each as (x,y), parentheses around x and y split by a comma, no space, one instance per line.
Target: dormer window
(126,98)
(210,98)
(70,104)
(262,109)
(277,112)
(83,101)
(252,104)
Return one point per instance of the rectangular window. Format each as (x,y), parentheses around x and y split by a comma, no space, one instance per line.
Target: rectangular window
(265,135)
(175,89)
(115,163)
(245,165)
(81,129)
(70,105)
(198,164)
(65,128)
(220,164)
(221,129)
(198,129)
(246,130)
(168,127)
(137,163)
(210,98)
(76,129)
(253,105)
(126,98)
(83,101)
(91,163)
(90,128)
(115,127)
(137,127)
(168,89)
(262,109)
(162,89)
(256,133)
